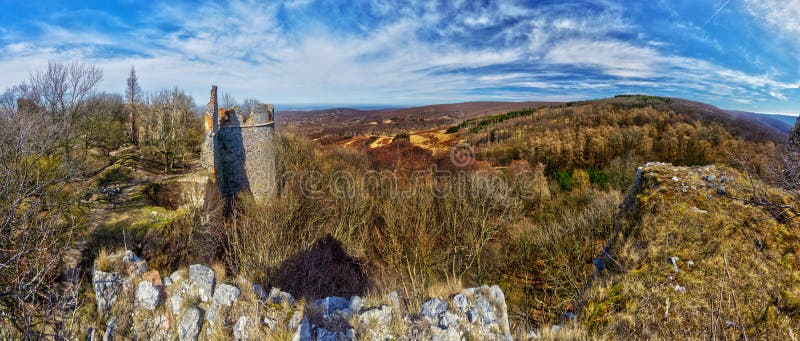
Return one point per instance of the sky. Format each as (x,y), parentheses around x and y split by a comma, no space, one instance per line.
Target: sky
(735,54)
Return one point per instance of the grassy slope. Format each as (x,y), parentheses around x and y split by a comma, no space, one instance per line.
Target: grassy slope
(735,287)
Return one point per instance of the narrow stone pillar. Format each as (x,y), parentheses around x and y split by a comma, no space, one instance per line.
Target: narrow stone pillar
(212,104)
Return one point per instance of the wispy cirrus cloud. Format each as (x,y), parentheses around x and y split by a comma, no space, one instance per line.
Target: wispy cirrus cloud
(783,15)
(402,53)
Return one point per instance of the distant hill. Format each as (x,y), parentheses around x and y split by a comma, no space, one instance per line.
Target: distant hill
(749,127)
(781,123)
(338,124)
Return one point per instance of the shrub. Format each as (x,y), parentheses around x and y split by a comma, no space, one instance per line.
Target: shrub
(621,172)
(564,179)
(562,247)
(111,174)
(401,136)
(529,184)
(580,179)
(452,130)
(598,178)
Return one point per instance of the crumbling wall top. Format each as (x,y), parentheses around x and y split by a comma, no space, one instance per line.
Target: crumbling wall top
(262,114)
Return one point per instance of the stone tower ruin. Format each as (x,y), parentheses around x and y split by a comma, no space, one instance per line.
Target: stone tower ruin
(239,149)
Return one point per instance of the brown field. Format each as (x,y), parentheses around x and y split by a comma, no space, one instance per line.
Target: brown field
(345,126)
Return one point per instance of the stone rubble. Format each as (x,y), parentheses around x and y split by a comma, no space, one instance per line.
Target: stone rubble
(190,305)
(147,295)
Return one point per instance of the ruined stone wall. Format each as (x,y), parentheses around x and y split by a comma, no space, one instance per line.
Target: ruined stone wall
(210,120)
(241,152)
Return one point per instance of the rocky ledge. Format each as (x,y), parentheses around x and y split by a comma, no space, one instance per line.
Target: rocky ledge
(197,303)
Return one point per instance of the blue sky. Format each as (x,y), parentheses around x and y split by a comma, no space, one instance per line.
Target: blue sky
(736,54)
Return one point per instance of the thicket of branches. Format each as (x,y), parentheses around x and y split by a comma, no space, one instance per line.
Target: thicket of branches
(40,124)
(55,129)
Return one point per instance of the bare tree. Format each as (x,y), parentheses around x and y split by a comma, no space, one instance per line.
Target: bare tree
(248,104)
(227,101)
(61,91)
(133,97)
(103,125)
(38,222)
(170,110)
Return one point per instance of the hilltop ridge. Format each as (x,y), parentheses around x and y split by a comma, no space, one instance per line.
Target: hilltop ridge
(699,252)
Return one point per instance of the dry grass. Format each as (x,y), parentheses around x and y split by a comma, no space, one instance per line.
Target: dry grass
(568,331)
(445,289)
(220,273)
(735,288)
(102,262)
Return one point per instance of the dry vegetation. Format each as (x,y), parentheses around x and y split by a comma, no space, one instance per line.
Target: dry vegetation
(386,209)
(737,274)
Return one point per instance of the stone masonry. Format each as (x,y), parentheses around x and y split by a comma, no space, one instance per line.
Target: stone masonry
(239,149)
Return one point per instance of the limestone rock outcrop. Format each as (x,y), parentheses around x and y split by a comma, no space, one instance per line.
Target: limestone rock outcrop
(192,304)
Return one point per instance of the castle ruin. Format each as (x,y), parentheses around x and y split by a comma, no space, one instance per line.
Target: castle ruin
(239,149)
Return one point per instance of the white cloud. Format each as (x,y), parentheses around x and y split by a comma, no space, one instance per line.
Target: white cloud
(255,57)
(614,58)
(783,15)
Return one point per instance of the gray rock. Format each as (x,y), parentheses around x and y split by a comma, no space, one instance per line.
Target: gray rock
(176,303)
(303,331)
(481,312)
(326,335)
(381,315)
(394,299)
(472,315)
(279,297)
(226,294)
(448,320)
(259,291)
(106,287)
(333,305)
(189,327)
(485,310)
(376,323)
(674,261)
(239,330)
(449,334)
(355,304)
(294,322)
(176,276)
(433,309)
(499,299)
(109,334)
(460,301)
(147,294)
(139,266)
(202,278)
(211,315)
